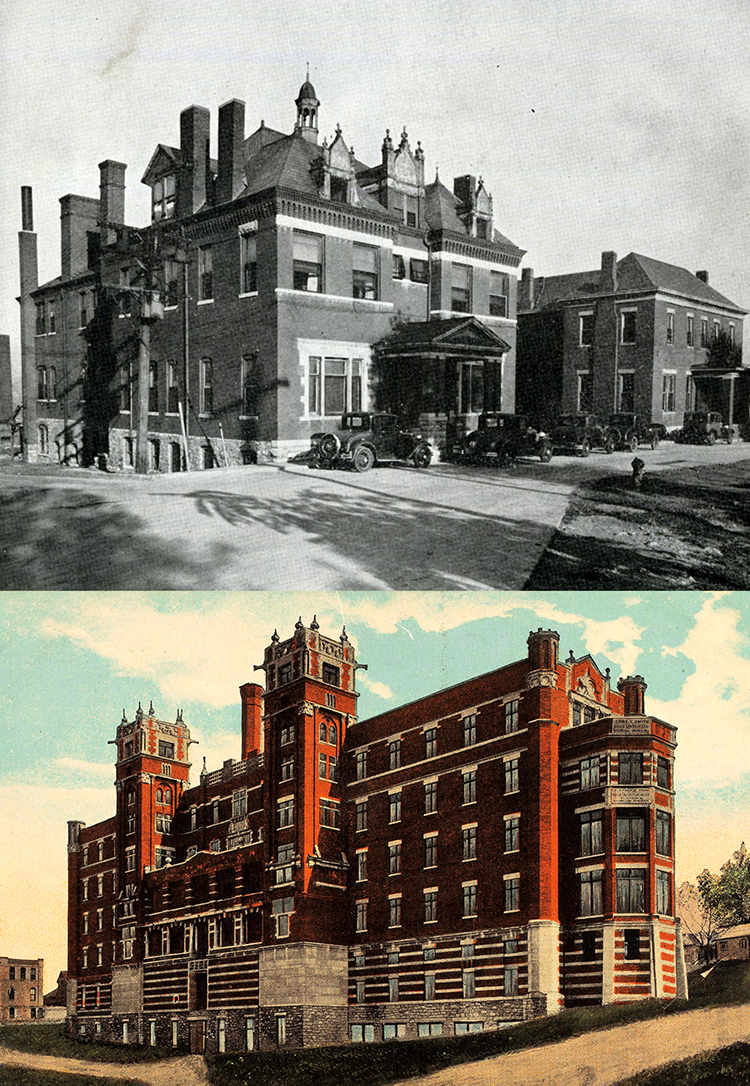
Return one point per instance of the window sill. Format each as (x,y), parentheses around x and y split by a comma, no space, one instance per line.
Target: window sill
(205,301)
(251,294)
(429,921)
(170,308)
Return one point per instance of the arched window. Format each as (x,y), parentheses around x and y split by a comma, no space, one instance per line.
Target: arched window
(52,383)
(44,441)
(323,731)
(159,795)
(332,734)
(167,795)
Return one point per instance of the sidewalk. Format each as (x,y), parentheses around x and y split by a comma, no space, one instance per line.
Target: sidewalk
(186,1071)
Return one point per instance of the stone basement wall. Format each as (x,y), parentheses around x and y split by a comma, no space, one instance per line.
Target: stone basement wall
(493,1013)
(238,452)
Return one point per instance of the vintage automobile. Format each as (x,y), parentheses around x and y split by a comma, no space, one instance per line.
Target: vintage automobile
(704,428)
(366,438)
(500,439)
(581,434)
(629,431)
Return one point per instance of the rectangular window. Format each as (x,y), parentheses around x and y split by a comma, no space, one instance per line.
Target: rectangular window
(669,382)
(512,886)
(430,906)
(717,330)
(627,326)
(670,328)
(430,851)
(429,1029)
(499,292)
(511,834)
(364,272)
(361,866)
(585,329)
(394,858)
(239,804)
(690,332)
(590,772)
(430,742)
(585,390)
(280,1029)
(393,989)
(470,730)
(399,267)
(334,385)
(330,813)
(287,734)
(207,387)
(361,916)
(591,893)
(630,889)
(171,283)
(430,797)
(663,833)
(511,716)
(83,316)
(511,775)
(205,273)
(40,328)
(631,831)
(360,816)
(307,258)
(510,980)
(248,260)
(630,767)
(360,991)
(363,1033)
(394,807)
(472,387)
(321,766)
(460,288)
(163,198)
(470,786)
(632,941)
(286,812)
(394,754)
(467,982)
(51,317)
(287,768)
(470,900)
(591,833)
(250,385)
(419,271)
(394,912)
(704,331)
(429,986)
(625,390)
(662,772)
(731,334)
(663,896)
(469,842)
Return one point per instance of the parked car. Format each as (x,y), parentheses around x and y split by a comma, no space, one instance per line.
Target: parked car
(500,438)
(581,434)
(366,438)
(704,428)
(630,431)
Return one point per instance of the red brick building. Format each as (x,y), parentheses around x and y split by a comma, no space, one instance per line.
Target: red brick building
(277,268)
(21,986)
(494,851)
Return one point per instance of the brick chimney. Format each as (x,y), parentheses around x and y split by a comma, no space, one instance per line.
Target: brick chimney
(608,278)
(195,130)
(79,216)
(703,276)
(464,188)
(252,701)
(526,291)
(632,688)
(111,197)
(231,145)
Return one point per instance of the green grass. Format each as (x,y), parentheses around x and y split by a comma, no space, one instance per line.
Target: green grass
(731,1064)
(50,1040)
(26,1076)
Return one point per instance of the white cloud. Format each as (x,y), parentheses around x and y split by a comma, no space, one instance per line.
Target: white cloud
(90,769)
(380,690)
(712,710)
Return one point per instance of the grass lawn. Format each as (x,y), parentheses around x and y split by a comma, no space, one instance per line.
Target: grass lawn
(25,1076)
(731,1064)
(50,1040)
(684,529)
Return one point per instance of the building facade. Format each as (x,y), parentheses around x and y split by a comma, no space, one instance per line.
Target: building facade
(21,989)
(494,851)
(265,283)
(632,336)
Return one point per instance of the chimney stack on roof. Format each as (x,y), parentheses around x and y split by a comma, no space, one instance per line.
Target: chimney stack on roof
(526,290)
(195,131)
(703,276)
(231,146)
(608,280)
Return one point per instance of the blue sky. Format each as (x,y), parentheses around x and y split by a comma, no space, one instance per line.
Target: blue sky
(596,125)
(71,662)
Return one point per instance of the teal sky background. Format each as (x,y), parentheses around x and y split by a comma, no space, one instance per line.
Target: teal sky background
(71,662)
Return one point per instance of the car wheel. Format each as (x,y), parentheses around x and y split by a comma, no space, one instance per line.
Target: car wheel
(610,443)
(711,438)
(364,458)
(585,447)
(545,454)
(654,441)
(730,437)
(329,446)
(633,443)
(422,457)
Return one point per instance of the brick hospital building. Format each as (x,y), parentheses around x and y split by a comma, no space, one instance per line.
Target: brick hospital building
(497,850)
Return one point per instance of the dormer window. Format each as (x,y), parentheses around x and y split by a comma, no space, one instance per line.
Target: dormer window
(163,198)
(330,674)
(339,189)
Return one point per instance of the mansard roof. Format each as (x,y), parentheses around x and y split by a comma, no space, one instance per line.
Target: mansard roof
(635,274)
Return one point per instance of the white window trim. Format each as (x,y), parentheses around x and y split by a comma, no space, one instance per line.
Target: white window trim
(324,348)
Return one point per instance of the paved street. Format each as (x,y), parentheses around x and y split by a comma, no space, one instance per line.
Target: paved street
(287,527)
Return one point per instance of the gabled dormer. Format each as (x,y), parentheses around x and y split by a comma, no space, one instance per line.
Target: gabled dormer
(334,171)
(161,177)
(475,206)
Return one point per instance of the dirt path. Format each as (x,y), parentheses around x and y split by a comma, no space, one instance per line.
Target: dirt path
(606,1057)
(187,1071)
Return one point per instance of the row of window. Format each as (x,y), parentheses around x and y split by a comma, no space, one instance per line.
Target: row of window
(630,832)
(97,881)
(468,988)
(430,854)
(628,329)
(630,891)
(630,770)
(12,993)
(430,740)
(625,399)
(365,1032)
(430,903)
(250,391)
(22,971)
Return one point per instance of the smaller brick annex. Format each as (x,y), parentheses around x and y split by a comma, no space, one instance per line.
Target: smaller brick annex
(495,851)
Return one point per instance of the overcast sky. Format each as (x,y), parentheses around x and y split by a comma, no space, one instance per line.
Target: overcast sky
(596,124)
(71,662)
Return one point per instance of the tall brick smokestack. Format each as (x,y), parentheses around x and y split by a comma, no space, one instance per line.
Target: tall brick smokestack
(252,700)
(632,688)
(27,259)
